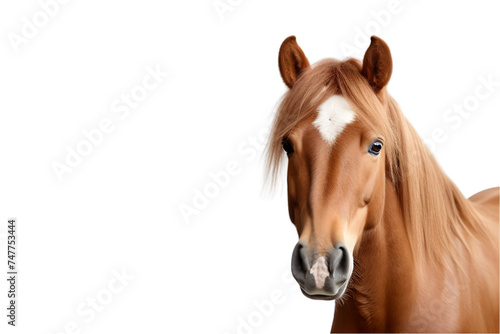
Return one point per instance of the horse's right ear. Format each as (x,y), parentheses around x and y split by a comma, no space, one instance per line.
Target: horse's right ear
(292,61)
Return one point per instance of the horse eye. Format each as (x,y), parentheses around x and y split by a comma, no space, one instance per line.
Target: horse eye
(287,145)
(375,148)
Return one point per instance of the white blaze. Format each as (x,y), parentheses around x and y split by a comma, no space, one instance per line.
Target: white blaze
(333,116)
(320,272)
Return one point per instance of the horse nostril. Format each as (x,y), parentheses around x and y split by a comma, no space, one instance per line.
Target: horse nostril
(339,263)
(300,263)
(344,263)
(299,258)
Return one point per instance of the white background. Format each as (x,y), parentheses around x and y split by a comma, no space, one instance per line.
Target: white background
(119,209)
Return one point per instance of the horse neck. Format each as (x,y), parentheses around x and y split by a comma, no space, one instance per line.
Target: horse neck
(384,272)
(387,281)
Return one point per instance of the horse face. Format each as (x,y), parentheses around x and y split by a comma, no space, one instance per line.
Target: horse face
(336,180)
(336,175)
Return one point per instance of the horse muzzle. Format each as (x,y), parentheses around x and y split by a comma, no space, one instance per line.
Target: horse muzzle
(322,277)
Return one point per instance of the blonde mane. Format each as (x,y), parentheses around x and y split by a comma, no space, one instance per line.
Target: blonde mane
(439,220)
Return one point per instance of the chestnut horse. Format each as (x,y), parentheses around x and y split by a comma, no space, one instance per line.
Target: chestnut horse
(382,230)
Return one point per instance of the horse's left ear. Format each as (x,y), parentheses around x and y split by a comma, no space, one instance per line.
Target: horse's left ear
(377,64)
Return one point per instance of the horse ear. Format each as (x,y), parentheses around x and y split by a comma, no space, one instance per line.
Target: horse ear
(292,61)
(377,64)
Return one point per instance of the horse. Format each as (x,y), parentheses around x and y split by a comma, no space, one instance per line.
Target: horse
(382,229)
